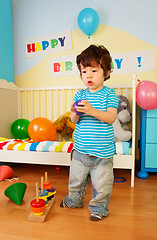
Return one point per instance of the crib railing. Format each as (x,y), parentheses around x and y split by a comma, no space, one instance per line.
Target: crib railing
(53,102)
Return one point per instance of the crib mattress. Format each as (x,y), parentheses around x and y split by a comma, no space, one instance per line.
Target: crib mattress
(53,146)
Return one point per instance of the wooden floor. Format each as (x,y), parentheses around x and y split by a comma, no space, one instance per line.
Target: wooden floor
(133,211)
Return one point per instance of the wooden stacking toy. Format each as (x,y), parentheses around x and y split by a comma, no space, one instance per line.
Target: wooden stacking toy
(37,205)
(16,192)
(47,184)
(49,188)
(43,193)
(51,193)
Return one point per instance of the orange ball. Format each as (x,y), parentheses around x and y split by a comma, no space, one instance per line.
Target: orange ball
(42,129)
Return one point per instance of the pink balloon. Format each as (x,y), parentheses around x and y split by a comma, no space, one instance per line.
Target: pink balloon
(146,95)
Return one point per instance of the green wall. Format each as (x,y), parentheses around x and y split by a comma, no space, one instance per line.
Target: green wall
(6,41)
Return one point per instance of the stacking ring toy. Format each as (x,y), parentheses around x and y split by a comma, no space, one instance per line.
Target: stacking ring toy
(119,179)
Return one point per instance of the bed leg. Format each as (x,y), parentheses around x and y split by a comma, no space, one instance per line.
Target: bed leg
(132,177)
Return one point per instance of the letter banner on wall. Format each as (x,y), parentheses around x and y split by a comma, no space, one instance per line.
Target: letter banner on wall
(48,44)
(63,66)
(129,62)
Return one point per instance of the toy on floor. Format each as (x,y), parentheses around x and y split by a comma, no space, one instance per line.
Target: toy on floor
(58,168)
(49,188)
(16,192)
(5,172)
(41,195)
(119,179)
(37,205)
(47,184)
(121,129)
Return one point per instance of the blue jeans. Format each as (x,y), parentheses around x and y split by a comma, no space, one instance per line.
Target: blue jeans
(100,170)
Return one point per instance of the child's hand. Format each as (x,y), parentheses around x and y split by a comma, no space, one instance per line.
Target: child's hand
(72,107)
(73,116)
(87,108)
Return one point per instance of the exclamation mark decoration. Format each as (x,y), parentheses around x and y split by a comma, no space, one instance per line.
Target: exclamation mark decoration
(139,61)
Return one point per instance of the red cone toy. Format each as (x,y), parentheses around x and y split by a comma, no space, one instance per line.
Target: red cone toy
(5,172)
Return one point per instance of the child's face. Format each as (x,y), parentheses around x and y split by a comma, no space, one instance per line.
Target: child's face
(93,77)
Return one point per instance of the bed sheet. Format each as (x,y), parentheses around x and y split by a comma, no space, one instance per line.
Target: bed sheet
(53,146)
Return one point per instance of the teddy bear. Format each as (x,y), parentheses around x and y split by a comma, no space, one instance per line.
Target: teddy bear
(121,129)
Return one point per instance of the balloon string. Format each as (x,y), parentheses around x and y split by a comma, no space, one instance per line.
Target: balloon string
(88,37)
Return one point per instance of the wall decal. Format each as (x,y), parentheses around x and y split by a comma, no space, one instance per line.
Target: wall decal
(63,66)
(48,44)
(136,61)
(126,62)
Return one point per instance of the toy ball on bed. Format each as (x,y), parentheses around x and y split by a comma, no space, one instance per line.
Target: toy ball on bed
(19,128)
(42,129)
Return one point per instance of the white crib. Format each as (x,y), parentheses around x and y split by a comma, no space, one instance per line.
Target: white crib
(52,103)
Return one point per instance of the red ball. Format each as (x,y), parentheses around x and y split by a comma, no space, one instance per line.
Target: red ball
(42,129)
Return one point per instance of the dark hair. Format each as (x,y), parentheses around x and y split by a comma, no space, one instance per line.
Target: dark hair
(95,55)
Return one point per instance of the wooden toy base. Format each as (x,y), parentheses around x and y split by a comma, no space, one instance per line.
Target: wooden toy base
(41,218)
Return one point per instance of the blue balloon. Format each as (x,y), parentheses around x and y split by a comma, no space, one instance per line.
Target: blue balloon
(88,21)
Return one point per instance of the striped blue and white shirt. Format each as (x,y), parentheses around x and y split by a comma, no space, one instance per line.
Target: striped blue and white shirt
(93,136)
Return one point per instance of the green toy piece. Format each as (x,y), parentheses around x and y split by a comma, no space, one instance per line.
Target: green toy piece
(16,192)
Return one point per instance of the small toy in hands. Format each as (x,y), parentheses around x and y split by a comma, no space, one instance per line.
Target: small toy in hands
(80,105)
